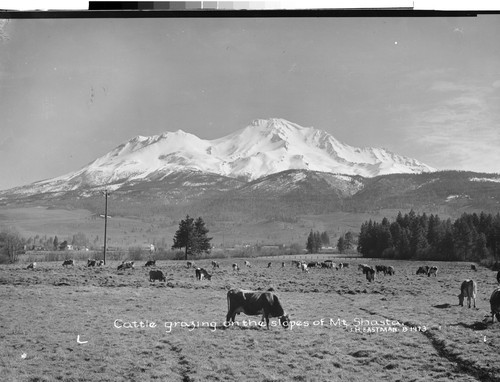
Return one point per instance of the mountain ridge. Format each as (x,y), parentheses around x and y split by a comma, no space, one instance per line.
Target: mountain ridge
(265,147)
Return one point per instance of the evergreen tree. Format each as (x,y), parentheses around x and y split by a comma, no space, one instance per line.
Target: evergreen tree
(192,236)
(55,243)
(341,244)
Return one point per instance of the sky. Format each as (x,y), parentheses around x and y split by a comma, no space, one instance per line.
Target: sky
(71,90)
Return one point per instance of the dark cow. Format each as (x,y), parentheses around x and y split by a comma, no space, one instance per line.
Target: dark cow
(255,303)
(325,264)
(282,264)
(215,264)
(495,305)
(157,275)
(365,268)
(390,270)
(31,266)
(473,267)
(269,265)
(150,263)
(313,265)
(201,273)
(91,262)
(126,265)
(370,274)
(345,265)
(433,271)
(381,268)
(423,270)
(68,262)
(468,289)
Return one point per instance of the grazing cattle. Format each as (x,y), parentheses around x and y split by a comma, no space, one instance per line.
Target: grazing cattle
(215,264)
(495,305)
(423,270)
(433,271)
(247,263)
(68,262)
(303,267)
(345,265)
(99,263)
(325,264)
(255,303)
(150,263)
(91,262)
(269,265)
(340,266)
(370,274)
(381,268)
(201,273)
(498,277)
(390,270)
(365,268)
(313,265)
(236,268)
(190,264)
(126,265)
(31,266)
(473,267)
(468,289)
(296,263)
(156,275)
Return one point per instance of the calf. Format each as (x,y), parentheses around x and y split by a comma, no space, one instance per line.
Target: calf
(255,303)
(157,275)
(495,305)
(150,263)
(126,265)
(31,266)
(201,273)
(91,262)
(473,267)
(68,262)
(215,264)
(468,289)
(424,270)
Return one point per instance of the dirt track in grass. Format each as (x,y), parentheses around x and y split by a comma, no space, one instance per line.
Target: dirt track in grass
(69,324)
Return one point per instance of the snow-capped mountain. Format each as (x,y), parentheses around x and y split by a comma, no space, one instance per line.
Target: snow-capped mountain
(265,147)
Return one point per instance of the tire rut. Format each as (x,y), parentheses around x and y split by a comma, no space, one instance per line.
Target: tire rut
(185,368)
(464,366)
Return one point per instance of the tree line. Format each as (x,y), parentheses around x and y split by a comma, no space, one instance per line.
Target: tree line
(471,237)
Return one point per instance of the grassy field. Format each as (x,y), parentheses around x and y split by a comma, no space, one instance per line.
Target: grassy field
(77,324)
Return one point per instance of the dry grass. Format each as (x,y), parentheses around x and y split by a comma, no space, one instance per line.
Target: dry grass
(45,310)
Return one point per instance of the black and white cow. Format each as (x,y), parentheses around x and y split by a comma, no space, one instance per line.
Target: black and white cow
(201,274)
(150,263)
(255,303)
(68,262)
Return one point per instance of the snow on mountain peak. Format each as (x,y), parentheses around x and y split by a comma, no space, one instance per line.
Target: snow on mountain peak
(264,147)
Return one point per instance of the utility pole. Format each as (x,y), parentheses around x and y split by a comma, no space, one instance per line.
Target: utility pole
(106,194)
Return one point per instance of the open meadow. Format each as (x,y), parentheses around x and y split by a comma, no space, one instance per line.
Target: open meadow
(78,324)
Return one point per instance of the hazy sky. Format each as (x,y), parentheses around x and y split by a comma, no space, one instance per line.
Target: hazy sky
(73,89)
